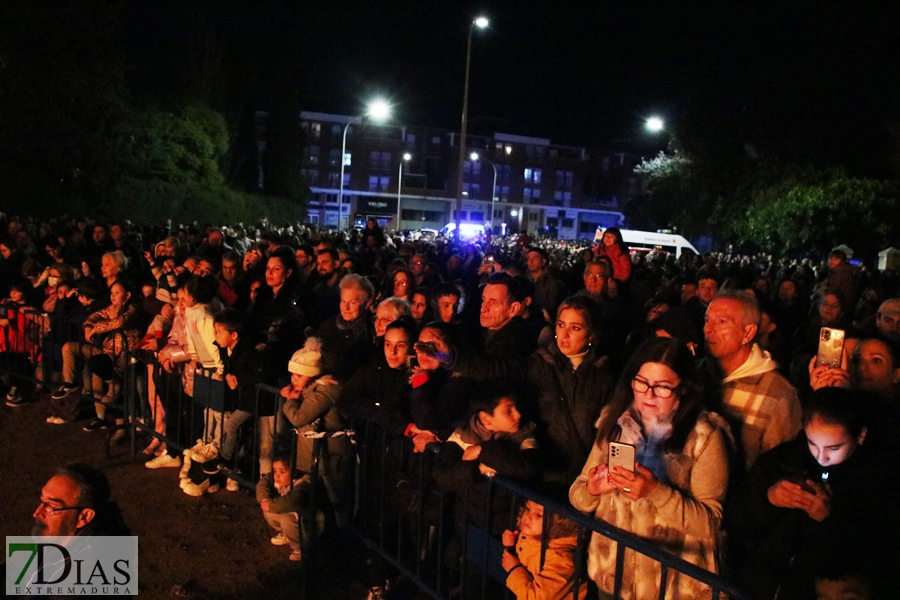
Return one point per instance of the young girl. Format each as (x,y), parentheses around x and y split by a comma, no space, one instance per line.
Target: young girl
(522,557)
(281,501)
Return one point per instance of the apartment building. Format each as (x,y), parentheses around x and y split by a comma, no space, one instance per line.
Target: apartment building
(516,183)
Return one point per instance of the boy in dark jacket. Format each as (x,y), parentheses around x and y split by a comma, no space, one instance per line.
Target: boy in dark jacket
(243,368)
(493,442)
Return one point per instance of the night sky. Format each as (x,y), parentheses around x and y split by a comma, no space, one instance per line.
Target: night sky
(803,81)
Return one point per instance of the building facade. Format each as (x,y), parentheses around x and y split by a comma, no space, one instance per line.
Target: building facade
(515,184)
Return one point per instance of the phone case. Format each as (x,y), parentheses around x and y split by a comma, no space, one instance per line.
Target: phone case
(831,347)
(621,455)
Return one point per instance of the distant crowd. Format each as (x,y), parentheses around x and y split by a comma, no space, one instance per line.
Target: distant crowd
(738,411)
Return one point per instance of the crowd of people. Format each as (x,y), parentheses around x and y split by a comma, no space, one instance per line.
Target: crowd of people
(535,359)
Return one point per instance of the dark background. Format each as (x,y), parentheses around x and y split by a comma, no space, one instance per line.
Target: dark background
(808,81)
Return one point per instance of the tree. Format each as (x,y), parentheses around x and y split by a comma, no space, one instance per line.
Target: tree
(809,208)
(183,145)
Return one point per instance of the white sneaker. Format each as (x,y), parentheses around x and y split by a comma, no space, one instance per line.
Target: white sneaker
(162,461)
(205,453)
(233,486)
(279,539)
(55,420)
(192,489)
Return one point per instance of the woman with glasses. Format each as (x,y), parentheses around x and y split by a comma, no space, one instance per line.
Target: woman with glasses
(674,494)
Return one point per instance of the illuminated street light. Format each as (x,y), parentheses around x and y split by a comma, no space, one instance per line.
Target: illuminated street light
(377,110)
(481,23)
(406,158)
(655,124)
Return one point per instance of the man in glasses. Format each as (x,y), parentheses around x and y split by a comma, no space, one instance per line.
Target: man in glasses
(72,502)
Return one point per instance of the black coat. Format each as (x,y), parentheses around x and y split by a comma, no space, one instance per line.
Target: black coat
(563,402)
(776,547)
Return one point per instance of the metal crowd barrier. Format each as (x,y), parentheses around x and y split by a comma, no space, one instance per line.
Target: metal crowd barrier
(417,544)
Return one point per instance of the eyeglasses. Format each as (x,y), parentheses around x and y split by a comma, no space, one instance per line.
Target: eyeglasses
(660,391)
(52,510)
(593,276)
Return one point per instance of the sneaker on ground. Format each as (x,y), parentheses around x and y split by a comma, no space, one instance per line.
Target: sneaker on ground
(17,400)
(12,392)
(96,425)
(55,420)
(63,391)
(193,489)
(233,486)
(279,539)
(163,461)
(295,555)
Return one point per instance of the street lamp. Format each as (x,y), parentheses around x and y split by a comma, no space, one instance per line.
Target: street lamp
(406,157)
(654,124)
(481,23)
(377,110)
(474,156)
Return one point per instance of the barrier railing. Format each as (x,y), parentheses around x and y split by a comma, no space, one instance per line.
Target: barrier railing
(398,511)
(419,542)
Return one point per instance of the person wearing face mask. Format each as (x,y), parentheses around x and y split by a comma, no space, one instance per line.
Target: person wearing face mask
(816,497)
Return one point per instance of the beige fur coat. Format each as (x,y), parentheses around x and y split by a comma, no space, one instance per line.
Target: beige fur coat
(683,517)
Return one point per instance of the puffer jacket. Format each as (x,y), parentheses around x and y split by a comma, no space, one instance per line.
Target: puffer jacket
(683,516)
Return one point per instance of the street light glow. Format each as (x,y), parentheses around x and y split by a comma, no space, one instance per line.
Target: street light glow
(474,156)
(655,124)
(407,156)
(378,110)
(481,22)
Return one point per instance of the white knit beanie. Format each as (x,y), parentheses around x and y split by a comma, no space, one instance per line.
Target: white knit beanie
(305,361)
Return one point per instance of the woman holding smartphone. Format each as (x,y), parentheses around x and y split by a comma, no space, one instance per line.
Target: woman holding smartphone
(674,494)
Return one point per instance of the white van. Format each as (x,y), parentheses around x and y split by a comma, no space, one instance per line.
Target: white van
(646,241)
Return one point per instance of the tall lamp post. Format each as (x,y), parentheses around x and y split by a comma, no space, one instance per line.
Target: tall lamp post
(406,158)
(481,23)
(474,156)
(377,110)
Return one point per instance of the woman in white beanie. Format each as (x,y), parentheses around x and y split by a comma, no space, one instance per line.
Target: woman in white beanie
(310,405)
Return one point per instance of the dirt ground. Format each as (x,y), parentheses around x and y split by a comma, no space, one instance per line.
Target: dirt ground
(215,546)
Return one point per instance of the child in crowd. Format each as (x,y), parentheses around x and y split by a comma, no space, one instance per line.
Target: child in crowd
(244,367)
(526,576)
(200,307)
(281,498)
(311,405)
(493,442)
